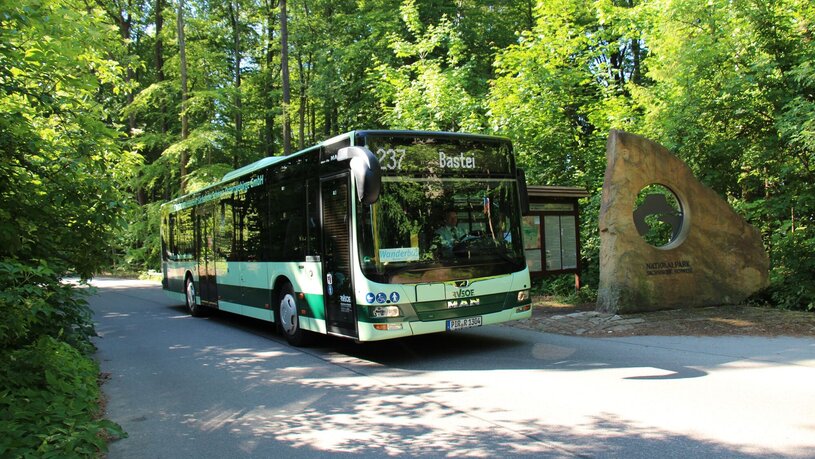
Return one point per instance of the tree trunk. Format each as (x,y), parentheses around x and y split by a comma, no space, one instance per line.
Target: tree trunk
(284,64)
(236,50)
(160,62)
(268,102)
(636,51)
(124,21)
(313,124)
(301,110)
(185,128)
(327,128)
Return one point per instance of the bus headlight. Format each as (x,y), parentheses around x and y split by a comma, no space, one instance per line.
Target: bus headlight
(523,296)
(379,312)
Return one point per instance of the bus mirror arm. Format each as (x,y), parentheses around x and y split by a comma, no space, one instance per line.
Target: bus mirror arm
(366,171)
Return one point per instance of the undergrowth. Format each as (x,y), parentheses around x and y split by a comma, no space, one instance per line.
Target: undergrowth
(49,388)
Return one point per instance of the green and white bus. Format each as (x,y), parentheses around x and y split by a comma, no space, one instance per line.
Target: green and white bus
(348,238)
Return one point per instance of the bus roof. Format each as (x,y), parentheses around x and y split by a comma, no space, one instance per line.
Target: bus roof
(249,168)
(427,133)
(270,160)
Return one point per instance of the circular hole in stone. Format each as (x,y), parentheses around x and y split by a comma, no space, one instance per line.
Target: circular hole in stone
(658,215)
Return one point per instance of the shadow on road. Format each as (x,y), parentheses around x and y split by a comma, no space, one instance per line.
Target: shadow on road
(464,393)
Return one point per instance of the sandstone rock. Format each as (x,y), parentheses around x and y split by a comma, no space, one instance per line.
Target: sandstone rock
(717,257)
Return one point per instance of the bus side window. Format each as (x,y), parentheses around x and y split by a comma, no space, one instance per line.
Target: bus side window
(181,235)
(226,230)
(287,231)
(313,218)
(294,245)
(168,239)
(240,225)
(255,245)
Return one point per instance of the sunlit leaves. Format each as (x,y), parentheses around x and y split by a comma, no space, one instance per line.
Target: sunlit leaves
(435,82)
(555,96)
(733,95)
(59,155)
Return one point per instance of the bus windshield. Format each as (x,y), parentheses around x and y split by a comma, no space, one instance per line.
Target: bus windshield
(448,210)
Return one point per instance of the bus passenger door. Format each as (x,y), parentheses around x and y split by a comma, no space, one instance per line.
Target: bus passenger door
(340,315)
(207,287)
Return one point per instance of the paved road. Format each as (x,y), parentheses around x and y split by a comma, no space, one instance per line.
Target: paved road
(226,387)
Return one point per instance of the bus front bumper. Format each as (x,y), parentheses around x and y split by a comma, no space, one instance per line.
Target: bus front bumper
(370,332)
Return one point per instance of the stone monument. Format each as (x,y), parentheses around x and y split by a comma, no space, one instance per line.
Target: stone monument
(707,254)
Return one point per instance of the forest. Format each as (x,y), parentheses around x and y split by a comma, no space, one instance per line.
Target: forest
(110,107)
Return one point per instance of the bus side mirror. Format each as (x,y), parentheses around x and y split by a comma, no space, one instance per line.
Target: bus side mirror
(523,192)
(366,171)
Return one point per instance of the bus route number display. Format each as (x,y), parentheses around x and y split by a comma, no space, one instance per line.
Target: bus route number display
(441,156)
(391,159)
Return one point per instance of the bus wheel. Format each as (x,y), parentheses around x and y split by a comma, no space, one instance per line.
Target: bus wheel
(189,293)
(289,321)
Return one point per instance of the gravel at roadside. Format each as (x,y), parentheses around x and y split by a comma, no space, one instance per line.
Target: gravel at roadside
(582,320)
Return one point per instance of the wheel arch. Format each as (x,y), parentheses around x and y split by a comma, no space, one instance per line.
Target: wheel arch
(274,295)
(188,275)
(279,281)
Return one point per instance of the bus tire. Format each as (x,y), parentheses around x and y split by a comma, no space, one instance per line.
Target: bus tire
(288,319)
(195,310)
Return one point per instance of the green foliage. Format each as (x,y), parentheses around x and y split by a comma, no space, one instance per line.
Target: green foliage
(562,288)
(443,62)
(139,242)
(561,88)
(590,239)
(49,397)
(791,285)
(49,392)
(54,147)
(428,91)
(727,85)
(35,304)
(733,94)
(60,199)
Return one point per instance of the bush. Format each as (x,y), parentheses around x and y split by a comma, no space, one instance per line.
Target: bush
(35,303)
(137,247)
(562,287)
(49,391)
(792,285)
(49,403)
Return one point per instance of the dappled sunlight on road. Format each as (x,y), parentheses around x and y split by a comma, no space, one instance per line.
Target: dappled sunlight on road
(354,414)
(232,384)
(114,315)
(452,413)
(392,400)
(551,352)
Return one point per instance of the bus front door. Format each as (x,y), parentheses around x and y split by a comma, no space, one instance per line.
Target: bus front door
(207,286)
(340,314)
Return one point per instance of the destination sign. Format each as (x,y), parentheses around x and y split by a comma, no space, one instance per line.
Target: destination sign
(441,156)
(219,193)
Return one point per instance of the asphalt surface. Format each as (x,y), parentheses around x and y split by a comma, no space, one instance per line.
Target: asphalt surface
(227,386)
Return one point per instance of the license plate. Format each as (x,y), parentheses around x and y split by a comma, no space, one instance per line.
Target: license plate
(459,324)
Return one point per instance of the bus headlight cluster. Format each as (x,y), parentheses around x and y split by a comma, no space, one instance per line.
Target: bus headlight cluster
(379,312)
(523,295)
